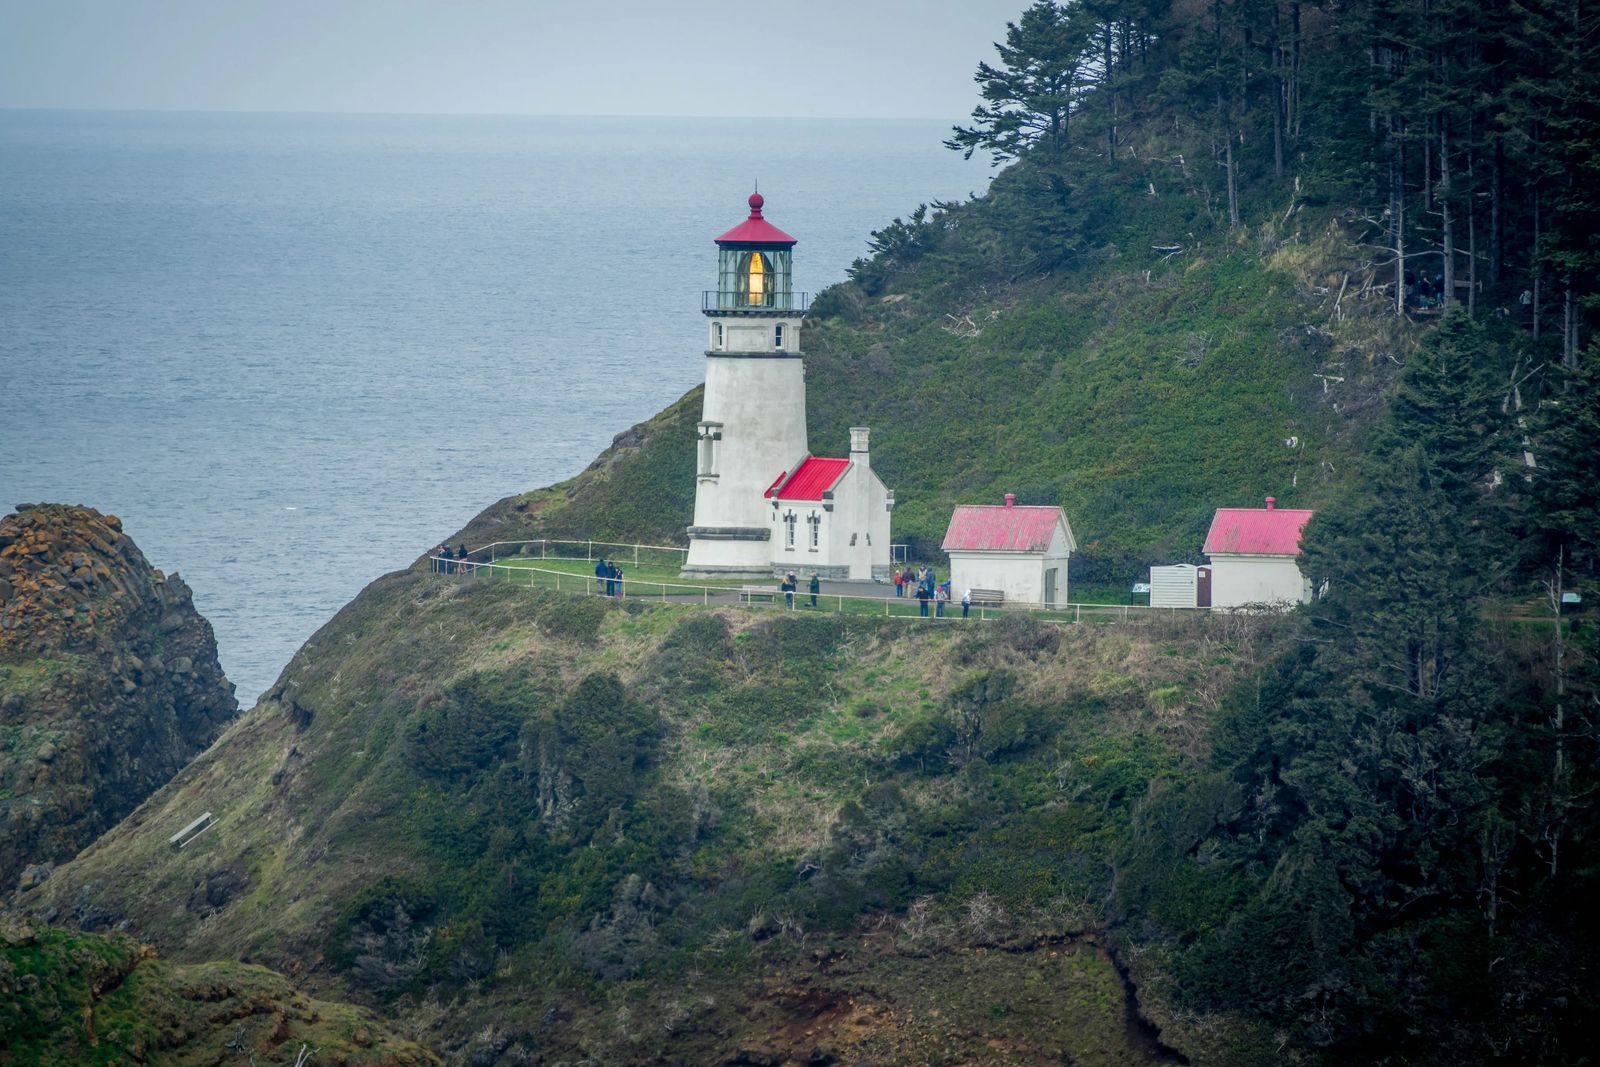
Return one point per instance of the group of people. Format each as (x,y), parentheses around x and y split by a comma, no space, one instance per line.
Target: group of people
(608,579)
(924,584)
(790,584)
(1424,290)
(447,560)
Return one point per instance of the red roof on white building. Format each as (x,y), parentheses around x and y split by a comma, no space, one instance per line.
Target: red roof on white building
(815,476)
(755,230)
(1001,528)
(1268,531)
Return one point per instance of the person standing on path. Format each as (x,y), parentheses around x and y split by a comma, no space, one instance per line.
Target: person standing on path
(602,571)
(816,587)
(616,581)
(966,602)
(899,583)
(923,596)
(788,586)
(941,595)
(461,557)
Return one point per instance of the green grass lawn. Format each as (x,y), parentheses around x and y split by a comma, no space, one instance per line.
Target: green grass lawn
(661,583)
(641,572)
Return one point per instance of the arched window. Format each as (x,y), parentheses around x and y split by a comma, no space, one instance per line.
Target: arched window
(755,279)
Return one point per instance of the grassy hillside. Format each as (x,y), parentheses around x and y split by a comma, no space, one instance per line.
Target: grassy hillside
(626,831)
(74,1000)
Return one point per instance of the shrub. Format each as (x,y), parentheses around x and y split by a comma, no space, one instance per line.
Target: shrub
(576,619)
(468,730)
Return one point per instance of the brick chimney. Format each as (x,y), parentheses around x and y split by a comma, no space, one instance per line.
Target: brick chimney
(1011,500)
(1272,502)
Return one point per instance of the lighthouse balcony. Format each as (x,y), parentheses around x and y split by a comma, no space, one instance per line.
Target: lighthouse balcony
(719,302)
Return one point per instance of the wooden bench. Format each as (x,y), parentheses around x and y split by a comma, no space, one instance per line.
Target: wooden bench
(748,593)
(988,598)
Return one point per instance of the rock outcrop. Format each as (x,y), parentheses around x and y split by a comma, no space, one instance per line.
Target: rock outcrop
(109,683)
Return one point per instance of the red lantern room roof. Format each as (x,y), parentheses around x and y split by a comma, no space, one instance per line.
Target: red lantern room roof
(755,230)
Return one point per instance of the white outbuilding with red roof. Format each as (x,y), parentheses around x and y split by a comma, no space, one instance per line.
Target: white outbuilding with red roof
(1254,557)
(1020,551)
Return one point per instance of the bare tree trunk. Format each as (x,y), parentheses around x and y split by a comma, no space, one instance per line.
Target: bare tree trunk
(1280,90)
(1558,719)
(1472,233)
(1293,119)
(1111,94)
(1233,186)
(1538,278)
(1397,209)
(1496,216)
(1569,326)
(1427,168)
(1449,234)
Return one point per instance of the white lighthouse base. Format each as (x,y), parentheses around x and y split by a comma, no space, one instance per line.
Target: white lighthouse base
(728,552)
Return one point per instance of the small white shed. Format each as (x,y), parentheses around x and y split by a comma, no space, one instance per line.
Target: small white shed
(1254,555)
(1020,552)
(1180,585)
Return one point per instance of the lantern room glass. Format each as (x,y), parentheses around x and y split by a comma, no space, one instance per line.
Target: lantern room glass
(755,278)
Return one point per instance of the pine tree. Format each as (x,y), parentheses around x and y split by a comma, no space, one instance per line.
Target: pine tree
(1567,479)
(1031,95)
(1450,406)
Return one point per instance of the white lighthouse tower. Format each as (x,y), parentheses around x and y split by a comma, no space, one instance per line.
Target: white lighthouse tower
(753,425)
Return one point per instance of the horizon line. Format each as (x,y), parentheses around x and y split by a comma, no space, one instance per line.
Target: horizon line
(470,114)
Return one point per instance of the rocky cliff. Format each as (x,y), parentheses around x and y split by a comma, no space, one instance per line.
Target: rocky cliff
(109,683)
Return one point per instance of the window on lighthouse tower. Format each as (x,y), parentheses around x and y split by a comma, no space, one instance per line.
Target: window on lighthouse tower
(757,285)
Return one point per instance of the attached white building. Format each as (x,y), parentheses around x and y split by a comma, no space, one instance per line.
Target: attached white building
(1020,552)
(830,517)
(1254,554)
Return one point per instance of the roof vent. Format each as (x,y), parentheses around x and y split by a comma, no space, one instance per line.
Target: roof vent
(1272,502)
(1011,500)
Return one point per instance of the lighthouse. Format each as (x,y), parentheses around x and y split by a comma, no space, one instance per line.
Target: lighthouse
(753,425)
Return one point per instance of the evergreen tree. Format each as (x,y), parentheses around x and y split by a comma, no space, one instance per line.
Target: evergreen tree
(1567,478)
(1030,96)
(1450,405)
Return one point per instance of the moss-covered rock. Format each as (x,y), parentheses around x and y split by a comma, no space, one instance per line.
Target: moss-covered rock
(109,682)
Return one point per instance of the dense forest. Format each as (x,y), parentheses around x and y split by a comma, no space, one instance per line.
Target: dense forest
(1390,846)
(1458,138)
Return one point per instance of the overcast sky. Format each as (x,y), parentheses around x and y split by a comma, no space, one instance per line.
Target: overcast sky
(866,58)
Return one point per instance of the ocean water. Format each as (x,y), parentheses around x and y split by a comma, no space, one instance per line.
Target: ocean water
(294,351)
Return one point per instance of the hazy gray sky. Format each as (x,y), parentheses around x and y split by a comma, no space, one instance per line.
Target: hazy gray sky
(890,58)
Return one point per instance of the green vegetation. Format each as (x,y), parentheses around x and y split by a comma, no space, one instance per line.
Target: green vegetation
(475,793)
(1223,263)
(74,1000)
